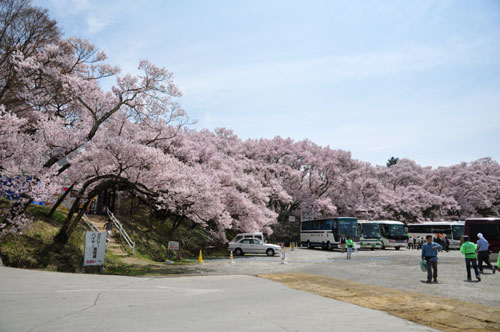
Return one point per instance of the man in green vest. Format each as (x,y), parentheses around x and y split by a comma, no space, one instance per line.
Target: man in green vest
(498,262)
(469,250)
(350,245)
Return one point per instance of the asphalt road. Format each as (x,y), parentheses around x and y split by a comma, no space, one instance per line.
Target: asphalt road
(46,301)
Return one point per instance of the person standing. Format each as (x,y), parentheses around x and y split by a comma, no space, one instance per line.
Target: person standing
(109,229)
(342,243)
(483,255)
(414,242)
(350,245)
(429,254)
(468,249)
(446,243)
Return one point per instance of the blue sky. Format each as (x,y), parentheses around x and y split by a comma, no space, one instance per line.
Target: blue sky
(416,79)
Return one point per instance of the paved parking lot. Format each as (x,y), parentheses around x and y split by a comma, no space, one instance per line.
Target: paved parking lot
(389,268)
(228,295)
(46,301)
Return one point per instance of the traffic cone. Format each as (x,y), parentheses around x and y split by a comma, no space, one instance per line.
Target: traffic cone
(231,257)
(200,258)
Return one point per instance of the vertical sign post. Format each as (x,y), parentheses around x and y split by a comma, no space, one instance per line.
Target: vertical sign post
(174,246)
(95,247)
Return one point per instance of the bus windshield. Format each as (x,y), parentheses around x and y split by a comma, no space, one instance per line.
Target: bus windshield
(458,231)
(396,230)
(370,231)
(348,227)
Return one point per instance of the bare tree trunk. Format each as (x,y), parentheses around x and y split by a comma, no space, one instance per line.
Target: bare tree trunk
(75,222)
(62,236)
(178,221)
(131,205)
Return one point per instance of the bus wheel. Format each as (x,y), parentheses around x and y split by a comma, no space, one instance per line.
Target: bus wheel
(397,248)
(372,248)
(328,246)
(309,244)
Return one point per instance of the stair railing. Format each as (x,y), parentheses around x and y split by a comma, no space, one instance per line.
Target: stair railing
(90,224)
(123,233)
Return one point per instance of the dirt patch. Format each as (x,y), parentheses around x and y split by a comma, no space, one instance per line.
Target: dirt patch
(434,311)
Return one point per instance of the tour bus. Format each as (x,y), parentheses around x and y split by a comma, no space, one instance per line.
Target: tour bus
(326,233)
(489,227)
(392,234)
(438,229)
(370,235)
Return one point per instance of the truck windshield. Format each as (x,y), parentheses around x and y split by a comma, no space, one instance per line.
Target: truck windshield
(348,227)
(396,230)
(370,231)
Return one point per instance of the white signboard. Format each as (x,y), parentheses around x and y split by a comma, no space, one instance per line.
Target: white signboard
(291,218)
(173,245)
(95,246)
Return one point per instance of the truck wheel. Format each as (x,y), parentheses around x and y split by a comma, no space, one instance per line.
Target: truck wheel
(270,252)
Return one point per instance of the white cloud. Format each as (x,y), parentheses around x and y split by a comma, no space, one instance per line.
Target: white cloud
(72,7)
(329,69)
(95,24)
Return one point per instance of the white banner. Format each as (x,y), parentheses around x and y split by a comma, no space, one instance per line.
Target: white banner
(95,247)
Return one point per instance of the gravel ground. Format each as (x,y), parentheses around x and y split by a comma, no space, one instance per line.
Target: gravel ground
(388,268)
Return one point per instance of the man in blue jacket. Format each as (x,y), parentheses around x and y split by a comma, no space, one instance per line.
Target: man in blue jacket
(483,255)
(429,254)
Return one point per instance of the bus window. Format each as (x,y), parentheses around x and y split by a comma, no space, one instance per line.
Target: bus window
(306,226)
(326,225)
(370,231)
(413,229)
(457,231)
(396,230)
(442,229)
(348,228)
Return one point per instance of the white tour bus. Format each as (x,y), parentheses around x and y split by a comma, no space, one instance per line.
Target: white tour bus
(326,233)
(370,235)
(392,234)
(438,229)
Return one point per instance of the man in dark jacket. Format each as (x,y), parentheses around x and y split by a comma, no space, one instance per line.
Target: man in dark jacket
(343,241)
